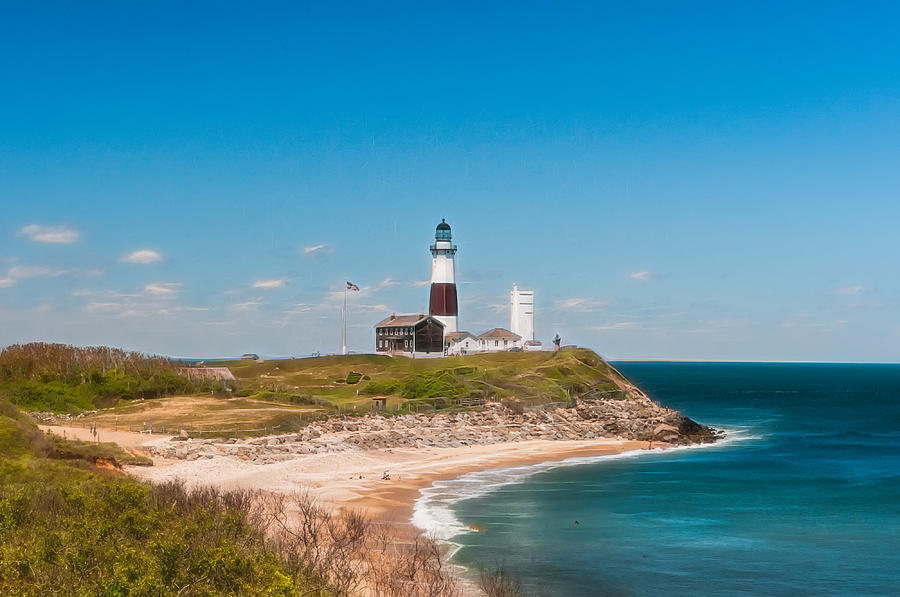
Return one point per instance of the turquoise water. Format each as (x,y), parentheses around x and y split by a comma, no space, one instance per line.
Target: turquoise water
(803,499)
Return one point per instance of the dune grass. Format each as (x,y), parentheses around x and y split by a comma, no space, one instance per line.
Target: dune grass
(69,527)
(67,379)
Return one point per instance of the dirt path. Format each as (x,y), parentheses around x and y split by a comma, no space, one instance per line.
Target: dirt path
(126,439)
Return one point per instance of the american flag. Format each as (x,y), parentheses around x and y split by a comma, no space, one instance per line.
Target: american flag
(352,286)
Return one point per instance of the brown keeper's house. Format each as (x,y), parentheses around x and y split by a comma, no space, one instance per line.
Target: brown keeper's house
(409,334)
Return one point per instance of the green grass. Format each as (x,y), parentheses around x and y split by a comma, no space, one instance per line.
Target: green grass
(51,378)
(61,378)
(70,528)
(74,396)
(532,377)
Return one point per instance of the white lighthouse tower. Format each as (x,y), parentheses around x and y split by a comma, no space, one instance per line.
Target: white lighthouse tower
(521,313)
(443,305)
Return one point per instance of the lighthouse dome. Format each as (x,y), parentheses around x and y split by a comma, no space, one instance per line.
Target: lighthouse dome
(443,231)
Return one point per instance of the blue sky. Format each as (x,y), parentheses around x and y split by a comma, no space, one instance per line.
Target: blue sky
(689,181)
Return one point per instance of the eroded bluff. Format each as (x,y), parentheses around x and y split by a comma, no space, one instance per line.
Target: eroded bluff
(631,416)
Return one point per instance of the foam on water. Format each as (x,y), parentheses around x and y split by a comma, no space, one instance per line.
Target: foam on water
(433,510)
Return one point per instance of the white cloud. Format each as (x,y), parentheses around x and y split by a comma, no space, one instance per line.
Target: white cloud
(269,284)
(245,306)
(851,290)
(317,250)
(20,272)
(300,308)
(824,326)
(142,256)
(162,289)
(619,325)
(420,283)
(480,302)
(640,275)
(372,307)
(582,304)
(104,307)
(56,235)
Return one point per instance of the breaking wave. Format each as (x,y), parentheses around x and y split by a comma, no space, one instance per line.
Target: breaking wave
(433,510)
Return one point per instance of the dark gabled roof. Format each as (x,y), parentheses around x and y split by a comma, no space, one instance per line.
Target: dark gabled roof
(499,334)
(395,321)
(400,320)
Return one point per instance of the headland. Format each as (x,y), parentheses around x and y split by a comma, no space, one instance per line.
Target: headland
(356,435)
(380,461)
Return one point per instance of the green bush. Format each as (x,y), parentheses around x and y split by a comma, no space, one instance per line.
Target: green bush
(431,385)
(381,388)
(69,528)
(89,533)
(60,378)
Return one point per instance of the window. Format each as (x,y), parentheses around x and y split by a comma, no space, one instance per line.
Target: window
(496,342)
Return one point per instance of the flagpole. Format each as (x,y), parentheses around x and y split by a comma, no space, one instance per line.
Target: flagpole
(344,323)
(347,320)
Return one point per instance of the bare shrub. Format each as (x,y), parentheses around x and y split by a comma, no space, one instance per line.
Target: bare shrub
(499,582)
(514,406)
(349,553)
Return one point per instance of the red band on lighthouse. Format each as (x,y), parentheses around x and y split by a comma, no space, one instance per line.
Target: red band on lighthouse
(443,299)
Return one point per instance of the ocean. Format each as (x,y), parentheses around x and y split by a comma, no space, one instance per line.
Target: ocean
(802,498)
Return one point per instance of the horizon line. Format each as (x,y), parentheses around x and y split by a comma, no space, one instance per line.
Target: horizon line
(749,361)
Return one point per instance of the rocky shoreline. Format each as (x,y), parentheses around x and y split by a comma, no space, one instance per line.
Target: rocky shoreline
(634,417)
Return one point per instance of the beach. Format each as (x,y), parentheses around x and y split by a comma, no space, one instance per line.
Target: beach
(383,483)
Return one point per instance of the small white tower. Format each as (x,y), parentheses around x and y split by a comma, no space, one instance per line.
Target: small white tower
(442,304)
(521,313)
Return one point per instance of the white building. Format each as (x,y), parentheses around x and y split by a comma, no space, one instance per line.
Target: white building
(461,343)
(521,312)
(499,339)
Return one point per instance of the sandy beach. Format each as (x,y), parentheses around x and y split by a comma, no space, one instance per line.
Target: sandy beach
(383,483)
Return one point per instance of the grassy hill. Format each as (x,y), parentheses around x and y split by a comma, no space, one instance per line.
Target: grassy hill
(134,391)
(70,526)
(348,381)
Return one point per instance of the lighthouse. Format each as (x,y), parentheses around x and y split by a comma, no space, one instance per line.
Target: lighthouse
(442,304)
